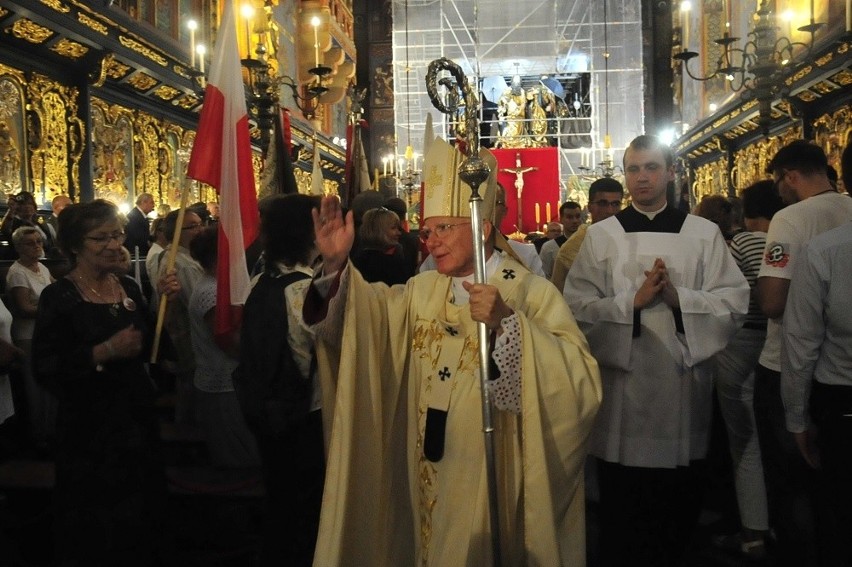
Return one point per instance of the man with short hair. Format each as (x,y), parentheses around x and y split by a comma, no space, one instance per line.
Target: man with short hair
(658,294)
(571,217)
(605,196)
(57,204)
(137,229)
(816,384)
(799,171)
(402,409)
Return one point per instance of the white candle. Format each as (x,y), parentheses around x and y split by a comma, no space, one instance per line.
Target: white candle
(385,166)
(537,214)
(192,25)
(247,12)
(315,22)
(848,16)
(547,210)
(685,7)
(201,50)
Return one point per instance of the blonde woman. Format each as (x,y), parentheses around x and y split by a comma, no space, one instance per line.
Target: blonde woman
(380,258)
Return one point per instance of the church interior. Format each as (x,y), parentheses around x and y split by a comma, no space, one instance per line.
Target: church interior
(101,99)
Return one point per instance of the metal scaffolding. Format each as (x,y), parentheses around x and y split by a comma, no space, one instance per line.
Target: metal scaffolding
(561,39)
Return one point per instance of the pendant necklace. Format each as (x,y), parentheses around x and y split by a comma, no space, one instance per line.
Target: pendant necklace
(113,305)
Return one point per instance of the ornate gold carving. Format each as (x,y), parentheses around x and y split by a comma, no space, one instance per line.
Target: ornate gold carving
(832,132)
(56,5)
(142,82)
(99,77)
(3,12)
(57,134)
(142,49)
(31,31)
(182,71)
(807,96)
(798,76)
(92,23)
(166,92)
(844,78)
(68,48)
(303,181)
(146,153)
(187,102)
(711,179)
(824,59)
(12,136)
(751,161)
(824,87)
(112,136)
(115,69)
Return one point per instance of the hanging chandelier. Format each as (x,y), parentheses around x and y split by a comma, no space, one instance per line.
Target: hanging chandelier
(756,69)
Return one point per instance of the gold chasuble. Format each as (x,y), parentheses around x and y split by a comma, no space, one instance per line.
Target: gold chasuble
(385,503)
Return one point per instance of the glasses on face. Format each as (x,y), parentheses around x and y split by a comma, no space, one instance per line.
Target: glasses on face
(440,230)
(105,239)
(193,226)
(603,203)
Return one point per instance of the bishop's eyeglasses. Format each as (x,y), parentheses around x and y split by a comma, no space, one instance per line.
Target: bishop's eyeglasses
(440,230)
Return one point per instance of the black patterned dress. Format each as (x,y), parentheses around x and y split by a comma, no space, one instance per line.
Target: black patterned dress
(110,484)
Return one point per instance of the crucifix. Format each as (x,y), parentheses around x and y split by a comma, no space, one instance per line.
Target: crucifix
(519,184)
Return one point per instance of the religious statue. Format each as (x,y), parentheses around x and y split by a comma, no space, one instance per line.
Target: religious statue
(10,159)
(511,111)
(538,104)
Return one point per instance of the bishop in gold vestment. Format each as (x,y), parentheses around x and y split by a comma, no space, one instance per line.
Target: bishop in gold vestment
(399,492)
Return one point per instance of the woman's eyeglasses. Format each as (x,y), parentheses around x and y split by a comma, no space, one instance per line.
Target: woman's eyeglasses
(104,239)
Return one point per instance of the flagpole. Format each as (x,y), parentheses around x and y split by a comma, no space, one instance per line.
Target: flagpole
(474,171)
(171,257)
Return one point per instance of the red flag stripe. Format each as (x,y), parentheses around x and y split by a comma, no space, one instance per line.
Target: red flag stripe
(221,157)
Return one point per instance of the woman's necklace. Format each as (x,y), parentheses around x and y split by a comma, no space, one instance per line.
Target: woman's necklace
(113,308)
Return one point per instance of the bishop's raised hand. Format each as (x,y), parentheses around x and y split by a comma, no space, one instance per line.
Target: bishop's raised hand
(334,233)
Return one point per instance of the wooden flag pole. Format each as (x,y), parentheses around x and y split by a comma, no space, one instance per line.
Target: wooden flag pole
(170,264)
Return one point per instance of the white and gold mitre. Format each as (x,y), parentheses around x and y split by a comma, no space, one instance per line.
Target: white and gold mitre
(444,194)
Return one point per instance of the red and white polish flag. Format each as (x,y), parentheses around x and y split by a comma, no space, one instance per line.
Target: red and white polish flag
(221,157)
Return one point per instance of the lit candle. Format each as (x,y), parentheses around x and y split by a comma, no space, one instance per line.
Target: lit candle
(685,7)
(247,12)
(400,166)
(192,25)
(201,50)
(537,214)
(547,210)
(315,22)
(385,166)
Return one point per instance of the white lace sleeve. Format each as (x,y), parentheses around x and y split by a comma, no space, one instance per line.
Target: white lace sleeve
(506,390)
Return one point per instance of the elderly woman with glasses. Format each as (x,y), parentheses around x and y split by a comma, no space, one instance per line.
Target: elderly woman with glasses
(26,279)
(91,337)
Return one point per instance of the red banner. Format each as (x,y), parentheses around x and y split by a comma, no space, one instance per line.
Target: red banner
(540,167)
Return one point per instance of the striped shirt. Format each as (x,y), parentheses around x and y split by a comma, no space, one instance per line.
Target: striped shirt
(747,250)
